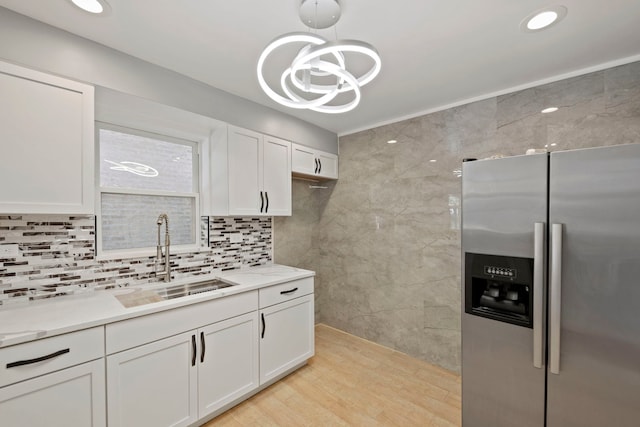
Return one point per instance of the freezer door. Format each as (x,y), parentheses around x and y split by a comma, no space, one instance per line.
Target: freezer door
(595,206)
(502,200)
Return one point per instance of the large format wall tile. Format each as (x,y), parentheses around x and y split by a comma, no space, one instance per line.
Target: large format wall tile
(384,238)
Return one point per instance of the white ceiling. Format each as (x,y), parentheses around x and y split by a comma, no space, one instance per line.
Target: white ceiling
(434,53)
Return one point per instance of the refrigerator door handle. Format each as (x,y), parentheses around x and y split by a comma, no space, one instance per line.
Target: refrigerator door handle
(538,290)
(554,298)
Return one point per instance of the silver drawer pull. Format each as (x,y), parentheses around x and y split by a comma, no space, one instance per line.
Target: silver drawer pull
(37,359)
(290,291)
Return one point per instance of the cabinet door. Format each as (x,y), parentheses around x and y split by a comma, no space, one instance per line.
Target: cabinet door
(276,172)
(303,160)
(245,181)
(154,384)
(328,165)
(287,336)
(229,368)
(307,161)
(70,397)
(46,129)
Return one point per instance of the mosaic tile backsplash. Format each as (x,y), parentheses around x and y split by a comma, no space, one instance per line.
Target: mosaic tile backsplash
(52,255)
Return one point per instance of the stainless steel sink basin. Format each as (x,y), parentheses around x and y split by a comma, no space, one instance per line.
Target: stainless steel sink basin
(177,291)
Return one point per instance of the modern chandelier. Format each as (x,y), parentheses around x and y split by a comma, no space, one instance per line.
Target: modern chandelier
(318,73)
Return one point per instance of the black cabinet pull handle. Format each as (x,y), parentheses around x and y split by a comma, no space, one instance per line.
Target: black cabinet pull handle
(290,291)
(37,359)
(261,202)
(193,350)
(266,196)
(202,350)
(320,164)
(264,326)
(316,170)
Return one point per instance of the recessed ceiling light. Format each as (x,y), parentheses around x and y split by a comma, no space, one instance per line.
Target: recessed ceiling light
(543,18)
(433,160)
(92,6)
(549,110)
(391,141)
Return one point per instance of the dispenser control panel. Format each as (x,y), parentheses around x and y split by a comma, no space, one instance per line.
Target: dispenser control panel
(499,288)
(509,273)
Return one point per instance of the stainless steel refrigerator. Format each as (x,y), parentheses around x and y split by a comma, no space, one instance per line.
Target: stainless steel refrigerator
(551,289)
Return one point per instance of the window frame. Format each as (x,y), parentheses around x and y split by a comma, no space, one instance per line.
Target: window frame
(163,135)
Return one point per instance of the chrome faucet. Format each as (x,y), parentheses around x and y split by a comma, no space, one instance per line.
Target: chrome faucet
(166,272)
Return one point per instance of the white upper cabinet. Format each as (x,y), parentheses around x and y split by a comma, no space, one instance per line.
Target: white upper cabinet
(276,176)
(248,174)
(46,143)
(309,162)
(245,172)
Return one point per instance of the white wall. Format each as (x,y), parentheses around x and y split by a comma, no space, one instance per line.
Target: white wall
(36,45)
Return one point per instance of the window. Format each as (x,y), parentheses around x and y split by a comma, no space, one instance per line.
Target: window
(141,176)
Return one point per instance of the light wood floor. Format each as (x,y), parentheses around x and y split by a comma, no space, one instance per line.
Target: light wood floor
(353,382)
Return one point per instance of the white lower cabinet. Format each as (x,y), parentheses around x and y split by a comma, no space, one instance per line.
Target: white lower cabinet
(178,380)
(178,367)
(70,397)
(154,384)
(54,382)
(229,369)
(287,329)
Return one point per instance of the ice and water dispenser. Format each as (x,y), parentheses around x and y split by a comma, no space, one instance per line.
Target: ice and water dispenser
(499,288)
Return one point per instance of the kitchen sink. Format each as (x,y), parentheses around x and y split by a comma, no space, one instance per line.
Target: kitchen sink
(177,291)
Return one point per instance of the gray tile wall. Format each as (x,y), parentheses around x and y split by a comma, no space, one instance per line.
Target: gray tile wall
(384,238)
(56,255)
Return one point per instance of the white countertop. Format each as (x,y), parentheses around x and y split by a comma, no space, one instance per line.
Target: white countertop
(54,316)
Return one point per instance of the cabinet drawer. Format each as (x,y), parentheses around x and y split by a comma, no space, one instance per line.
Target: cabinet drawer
(67,398)
(131,333)
(24,361)
(285,291)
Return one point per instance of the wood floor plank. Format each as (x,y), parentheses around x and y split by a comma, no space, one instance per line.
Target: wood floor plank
(354,382)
